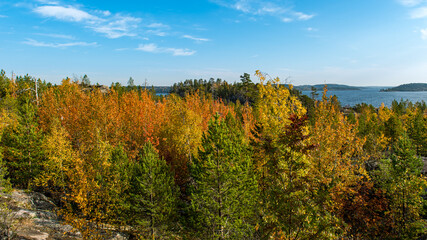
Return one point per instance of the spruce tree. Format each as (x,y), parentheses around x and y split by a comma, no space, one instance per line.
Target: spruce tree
(400,177)
(224,194)
(22,143)
(153,196)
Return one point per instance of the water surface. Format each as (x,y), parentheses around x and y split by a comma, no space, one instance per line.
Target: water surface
(372,95)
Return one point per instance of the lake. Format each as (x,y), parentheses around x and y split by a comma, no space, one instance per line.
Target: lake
(369,95)
(372,95)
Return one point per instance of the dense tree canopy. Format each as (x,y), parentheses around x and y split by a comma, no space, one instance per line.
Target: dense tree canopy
(215,160)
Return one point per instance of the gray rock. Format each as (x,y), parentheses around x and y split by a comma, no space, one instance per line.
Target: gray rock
(120,236)
(33,217)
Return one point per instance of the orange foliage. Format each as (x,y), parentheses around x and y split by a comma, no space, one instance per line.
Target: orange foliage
(186,119)
(131,119)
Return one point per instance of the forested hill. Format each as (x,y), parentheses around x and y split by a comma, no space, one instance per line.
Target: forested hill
(319,87)
(410,87)
(197,83)
(162,89)
(336,87)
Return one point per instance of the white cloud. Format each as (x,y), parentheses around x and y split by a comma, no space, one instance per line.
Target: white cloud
(3,16)
(157,29)
(180,51)
(286,20)
(153,48)
(112,26)
(118,26)
(419,12)
(241,6)
(157,32)
(424,34)
(310,29)
(157,25)
(64,13)
(303,16)
(48,2)
(196,39)
(150,47)
(35,43)
(104,13)
(275,8)
(410,3)
(54,35)
(271,10)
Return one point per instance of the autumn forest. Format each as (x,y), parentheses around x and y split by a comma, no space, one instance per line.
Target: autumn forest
(216,160)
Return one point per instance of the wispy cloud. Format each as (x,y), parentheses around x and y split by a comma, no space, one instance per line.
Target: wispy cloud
(410,3)
(196,38)
(153,48)
(424,34)
(303,16)
(64,13)
(104,13)
(49,2)
(287,20)
(158,25)
(36,43)
(54,35)
(420,12)
(275,8)
(157,32)
(3,16)
(158,29)
(104,22)
(150,47)
(118,26)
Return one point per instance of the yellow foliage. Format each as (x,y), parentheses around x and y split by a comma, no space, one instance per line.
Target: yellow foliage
(337,161)
(276,105)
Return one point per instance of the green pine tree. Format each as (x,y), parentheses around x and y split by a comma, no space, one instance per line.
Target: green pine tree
(120,174)
(22,144)
(417,131)
(153,196)
(400,176)
(4,181)
(224,195)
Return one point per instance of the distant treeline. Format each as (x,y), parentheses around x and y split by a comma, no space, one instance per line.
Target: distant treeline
(410,87)
(319,87)
(244,91)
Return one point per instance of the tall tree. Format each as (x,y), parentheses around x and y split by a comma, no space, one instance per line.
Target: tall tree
(417,131)
(153,196)
(60,158)
(337,164)
(85,81)
(224,194)
(131,82)
(22,147)
(5,120)
(282,163)
(400,177)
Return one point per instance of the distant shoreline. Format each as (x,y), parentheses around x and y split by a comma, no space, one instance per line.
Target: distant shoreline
(410,87)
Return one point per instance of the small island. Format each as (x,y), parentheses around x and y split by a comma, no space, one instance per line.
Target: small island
(410,87)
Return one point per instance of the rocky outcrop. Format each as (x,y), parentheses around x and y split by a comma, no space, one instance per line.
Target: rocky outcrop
(102,88)
(32,216)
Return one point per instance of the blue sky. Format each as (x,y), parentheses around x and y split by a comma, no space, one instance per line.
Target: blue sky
(355,42)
